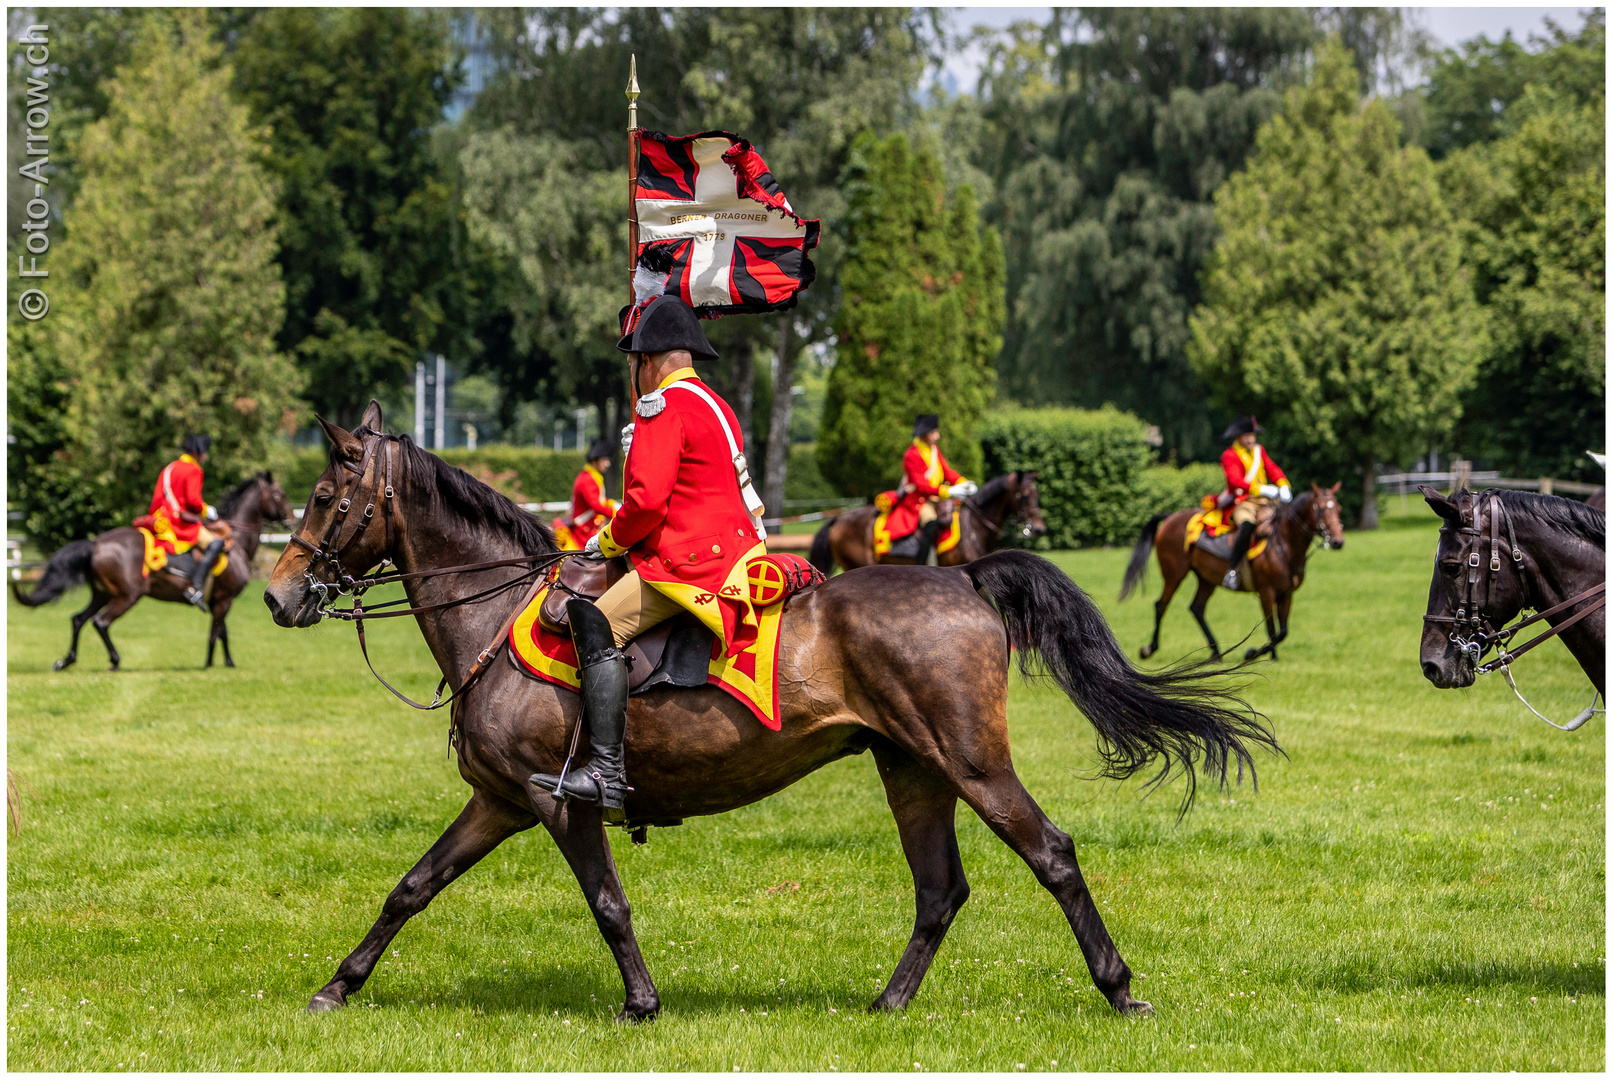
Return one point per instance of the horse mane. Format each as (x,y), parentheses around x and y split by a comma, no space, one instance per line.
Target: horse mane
(990,490)
(1565,514)
(431,476)
(230,501)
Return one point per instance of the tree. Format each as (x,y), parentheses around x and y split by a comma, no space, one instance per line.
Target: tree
(1336,306)
(921,320)
(167,296)
(367,219)
(1536,234)
(1135,116)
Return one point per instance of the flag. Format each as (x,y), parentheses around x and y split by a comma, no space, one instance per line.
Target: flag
(709,209)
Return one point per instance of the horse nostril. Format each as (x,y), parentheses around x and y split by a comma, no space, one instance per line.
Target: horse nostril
(1430,671)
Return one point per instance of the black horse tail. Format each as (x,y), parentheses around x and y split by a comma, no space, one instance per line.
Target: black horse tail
(1175,715)
(68,567)
(822,554)
(1139,555)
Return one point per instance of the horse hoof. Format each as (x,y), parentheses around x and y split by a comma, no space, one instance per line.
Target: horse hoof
(326,1001)
(637,1014)
(1136,1008)
(61,665)
(1252,654)
(1145,652)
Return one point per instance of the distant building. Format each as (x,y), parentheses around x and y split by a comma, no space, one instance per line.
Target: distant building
(467,33)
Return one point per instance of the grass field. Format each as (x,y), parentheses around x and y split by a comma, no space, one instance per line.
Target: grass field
(1419,885)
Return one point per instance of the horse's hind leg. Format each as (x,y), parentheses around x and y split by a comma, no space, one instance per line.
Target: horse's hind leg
(480,827)
(579,831)
(923,804)
(1268,604)
(103,625)
(1008,809)
(98,600)
(1160,605)
(1200,599)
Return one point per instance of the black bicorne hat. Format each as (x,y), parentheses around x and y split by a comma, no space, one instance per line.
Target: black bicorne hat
(600,448)
(196,445)
(926,423)
(1243,425)
(667,323)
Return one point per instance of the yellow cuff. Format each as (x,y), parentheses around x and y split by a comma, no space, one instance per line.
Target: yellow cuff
(608,546)
(946,491)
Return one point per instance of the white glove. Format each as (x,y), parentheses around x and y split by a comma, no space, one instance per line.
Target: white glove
(963,489)
(210,513)
(1285,494)
(1268,491)
(627,439)
(591,549)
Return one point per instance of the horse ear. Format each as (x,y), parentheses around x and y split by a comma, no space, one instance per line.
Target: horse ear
(372,416)
(342,440)
(1442,506)
(1334,490)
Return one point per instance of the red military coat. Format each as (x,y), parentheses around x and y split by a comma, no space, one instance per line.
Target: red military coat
(927,476)
(179,491)
(590,507)
(1247,469)
(682,521)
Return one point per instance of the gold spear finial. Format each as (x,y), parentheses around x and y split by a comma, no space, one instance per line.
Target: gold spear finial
(632,92)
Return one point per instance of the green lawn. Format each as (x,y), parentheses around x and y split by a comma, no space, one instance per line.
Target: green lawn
(1418,886)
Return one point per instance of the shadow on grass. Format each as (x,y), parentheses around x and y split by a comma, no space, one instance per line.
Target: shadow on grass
(1367,974)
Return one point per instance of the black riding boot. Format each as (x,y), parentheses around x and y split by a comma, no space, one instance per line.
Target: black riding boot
(604,703)
(1240,548)
(199,572)
(927,537)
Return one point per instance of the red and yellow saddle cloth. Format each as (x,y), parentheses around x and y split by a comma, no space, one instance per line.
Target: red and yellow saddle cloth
(885,501)
(1216,523)
(161,544)
(751,676)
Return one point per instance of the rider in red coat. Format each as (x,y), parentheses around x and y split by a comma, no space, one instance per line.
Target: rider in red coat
(1253,480)
(178,510)
(926,480)
(591,508)
(687,525)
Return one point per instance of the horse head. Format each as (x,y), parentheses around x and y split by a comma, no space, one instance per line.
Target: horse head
(1465,599)
(272,498)
(334,540)
(1027,506)
(1324,515)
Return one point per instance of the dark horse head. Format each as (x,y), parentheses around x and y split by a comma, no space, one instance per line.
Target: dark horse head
(1483,580)
(272,502)
(1015,497)
(1320,515)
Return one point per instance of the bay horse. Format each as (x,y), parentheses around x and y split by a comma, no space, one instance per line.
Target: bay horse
(1275,573)
(848,539)
(861,668)
(1499,553)
(113,563)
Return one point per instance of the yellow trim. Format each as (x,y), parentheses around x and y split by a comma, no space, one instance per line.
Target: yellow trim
(678,376)
(531,655)
(1248,458)
(765,651)
(710,613)
(193,461)
(608,545)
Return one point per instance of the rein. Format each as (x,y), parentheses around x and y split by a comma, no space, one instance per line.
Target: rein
(1477,586)
(329,550)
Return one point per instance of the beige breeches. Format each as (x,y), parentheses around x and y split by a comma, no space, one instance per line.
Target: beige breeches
(927,512)
(633,605)
(1248,511)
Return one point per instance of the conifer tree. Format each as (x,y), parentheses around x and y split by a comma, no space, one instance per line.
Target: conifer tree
(168,296)
(1336,305)
(920,322)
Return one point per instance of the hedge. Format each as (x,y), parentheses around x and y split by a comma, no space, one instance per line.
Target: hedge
(1096,477)
(524,473)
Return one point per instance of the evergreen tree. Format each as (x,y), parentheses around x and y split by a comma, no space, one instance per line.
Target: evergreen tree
(166,295)
(920,322)
(1336,307)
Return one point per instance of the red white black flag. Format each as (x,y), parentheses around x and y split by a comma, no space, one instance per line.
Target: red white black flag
(712,218)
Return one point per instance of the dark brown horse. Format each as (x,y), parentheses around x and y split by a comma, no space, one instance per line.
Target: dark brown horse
(1006,503)
(1479,585)
(112,564)
(863,666)
(1276,572)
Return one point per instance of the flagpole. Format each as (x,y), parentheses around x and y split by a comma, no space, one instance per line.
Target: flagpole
(632,201)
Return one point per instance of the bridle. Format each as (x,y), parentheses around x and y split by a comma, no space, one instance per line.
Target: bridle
(1317,525)
(1472,631)
(1016,510)
(333,546)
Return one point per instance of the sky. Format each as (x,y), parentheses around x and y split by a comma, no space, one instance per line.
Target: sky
(1448,26)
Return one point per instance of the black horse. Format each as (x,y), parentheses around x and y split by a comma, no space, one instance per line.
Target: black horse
(1501,552)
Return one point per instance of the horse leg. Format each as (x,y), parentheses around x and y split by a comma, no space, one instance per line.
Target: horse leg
(479,828)
(579,831)
(212,639)
(103,625)
(1268,604)
(1200,599)
(98,600)
(1164,601)
(1009,811)
(923,805)
(224,640)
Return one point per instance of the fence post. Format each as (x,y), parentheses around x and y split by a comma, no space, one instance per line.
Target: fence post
(1546,483)
(1460,472)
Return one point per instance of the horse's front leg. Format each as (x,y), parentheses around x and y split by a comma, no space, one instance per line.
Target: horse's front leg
(485,823)
(1268,605)
(98,601)
(579,830)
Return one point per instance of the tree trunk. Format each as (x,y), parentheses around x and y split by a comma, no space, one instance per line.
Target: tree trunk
(744,390)
(1369,493)
(778,433)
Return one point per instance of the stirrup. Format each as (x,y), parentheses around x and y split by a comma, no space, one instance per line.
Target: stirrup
(1231,580)
(194,596)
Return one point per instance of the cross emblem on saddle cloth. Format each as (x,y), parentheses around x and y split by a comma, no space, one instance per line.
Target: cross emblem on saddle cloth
(736,243)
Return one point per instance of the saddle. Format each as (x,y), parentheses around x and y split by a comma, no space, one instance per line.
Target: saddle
(674,653)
